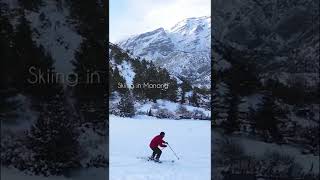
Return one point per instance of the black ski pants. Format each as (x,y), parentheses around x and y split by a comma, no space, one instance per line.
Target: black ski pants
(156,152)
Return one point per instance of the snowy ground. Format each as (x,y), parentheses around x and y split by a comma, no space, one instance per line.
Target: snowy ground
(84,174)
(257,149)
(130,137)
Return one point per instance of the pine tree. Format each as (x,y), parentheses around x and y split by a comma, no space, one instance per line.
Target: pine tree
(120,56)
(8,108)
(243,76)
(92,86)
(119,83)
(232,123)
(53,139)
(220,102)
(267,118)
(7,62)
(172,92)
(163,77)
(185,87)
(111,82)
(183,97)
(150,112)
(183,113)
(90,61)
(126,105)
(138,80)
(27,56)
(31,4)
(89,17)
(194,99)
(252,120)
(152,78)
(91,67)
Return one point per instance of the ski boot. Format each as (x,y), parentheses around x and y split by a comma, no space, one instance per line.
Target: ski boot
(151,158)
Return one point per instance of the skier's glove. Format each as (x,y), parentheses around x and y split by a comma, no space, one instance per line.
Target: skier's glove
(166,142)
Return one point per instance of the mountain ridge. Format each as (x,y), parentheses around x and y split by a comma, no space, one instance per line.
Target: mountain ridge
(184,49)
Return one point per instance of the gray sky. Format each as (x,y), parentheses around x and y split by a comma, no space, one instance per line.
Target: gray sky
(130,17)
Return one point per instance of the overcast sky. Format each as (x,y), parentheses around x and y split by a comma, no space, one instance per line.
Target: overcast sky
(130,17)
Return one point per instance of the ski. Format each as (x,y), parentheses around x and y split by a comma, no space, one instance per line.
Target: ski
(162,161)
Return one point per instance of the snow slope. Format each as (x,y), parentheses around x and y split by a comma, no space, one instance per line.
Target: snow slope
(305,160)
(83,174)
(127,72)
(256,149)
(190,139)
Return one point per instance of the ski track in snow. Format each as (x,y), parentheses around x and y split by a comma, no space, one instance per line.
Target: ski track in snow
(190,139)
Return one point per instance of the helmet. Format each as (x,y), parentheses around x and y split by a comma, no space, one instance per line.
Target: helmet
(162,133)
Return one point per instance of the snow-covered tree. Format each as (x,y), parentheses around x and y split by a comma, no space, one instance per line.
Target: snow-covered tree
(126,105)
(53,139)
(185,87)
(183,113)
(197,114)
(220,103)
(194,99)
(164,113)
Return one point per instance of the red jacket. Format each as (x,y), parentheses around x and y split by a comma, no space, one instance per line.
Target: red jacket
(157,141)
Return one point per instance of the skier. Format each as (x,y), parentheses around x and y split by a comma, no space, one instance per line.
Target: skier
(155,142)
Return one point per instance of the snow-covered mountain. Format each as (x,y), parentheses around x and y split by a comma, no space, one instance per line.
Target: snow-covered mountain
(183,49)
(126,67)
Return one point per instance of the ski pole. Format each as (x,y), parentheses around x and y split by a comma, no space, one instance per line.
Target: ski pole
(173,151)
